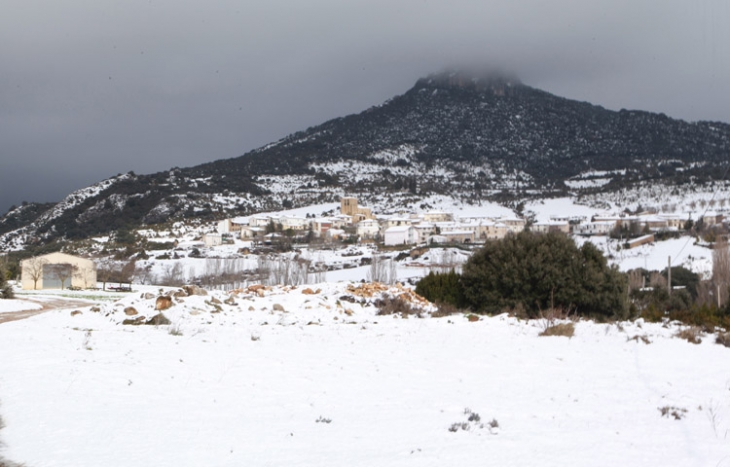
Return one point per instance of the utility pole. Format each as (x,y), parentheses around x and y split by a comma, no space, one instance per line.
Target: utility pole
(669,275)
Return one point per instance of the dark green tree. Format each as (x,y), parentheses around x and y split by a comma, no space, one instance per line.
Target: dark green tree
(442,288)
(6,291)
(539,271)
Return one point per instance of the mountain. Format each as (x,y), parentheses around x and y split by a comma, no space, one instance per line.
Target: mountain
(467,136)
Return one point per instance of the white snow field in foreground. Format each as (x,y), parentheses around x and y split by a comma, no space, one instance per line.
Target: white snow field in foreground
(327,382)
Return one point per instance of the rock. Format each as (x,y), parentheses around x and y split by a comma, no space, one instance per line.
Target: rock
(194,290)
(251,308)
(230,301)
(163,303)
(149,296)
(180,294)
(76,313)
(309,291)
(418,252)
(215,301)
(258,289)
(130,311)
(157,320)
(95,309)
(278,307)
(135,321)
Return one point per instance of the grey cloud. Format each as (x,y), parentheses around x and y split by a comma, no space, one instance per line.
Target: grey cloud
(91,89)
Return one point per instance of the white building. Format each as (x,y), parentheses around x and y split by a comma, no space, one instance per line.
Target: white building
(424,230)
(212,239)
(437,216)
(594,228)
(514,224)
(403,235)
(368,228)
(551,226)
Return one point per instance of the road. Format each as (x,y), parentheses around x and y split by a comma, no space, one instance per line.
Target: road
(48,305)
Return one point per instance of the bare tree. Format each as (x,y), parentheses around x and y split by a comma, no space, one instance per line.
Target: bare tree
(62,271)
(447,261)
(283,270)
(126,274)
(636,279)
(172,275)
(34,269)
(657,280)
(383,269)
(143,274)
(81,274)
(104,271)
(705,293)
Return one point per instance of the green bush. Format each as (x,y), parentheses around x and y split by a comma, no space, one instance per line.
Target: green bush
(442,288)
(541,271)
(6,291)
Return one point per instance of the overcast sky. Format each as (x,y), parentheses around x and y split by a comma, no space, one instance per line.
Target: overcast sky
(89,89)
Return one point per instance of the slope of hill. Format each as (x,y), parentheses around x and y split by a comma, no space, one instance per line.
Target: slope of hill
(471,138)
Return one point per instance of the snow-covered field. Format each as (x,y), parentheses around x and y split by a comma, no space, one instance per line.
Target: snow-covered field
(286,377)
(13,305)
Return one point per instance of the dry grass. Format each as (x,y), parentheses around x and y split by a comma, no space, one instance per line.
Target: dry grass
(638,338)
(723,339)
(397,306)
(559,329)
(553,322)
(445,309)
(678,413)
(692,334)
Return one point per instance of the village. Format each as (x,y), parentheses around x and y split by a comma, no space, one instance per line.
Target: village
(304,235)
(360,224)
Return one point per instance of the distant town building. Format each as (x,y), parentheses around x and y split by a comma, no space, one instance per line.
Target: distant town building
(348,206)
(213,239)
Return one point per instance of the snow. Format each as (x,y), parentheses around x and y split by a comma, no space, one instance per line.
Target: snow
(11,305)
(591,183)
(317,386)
(655,256)
(545,208)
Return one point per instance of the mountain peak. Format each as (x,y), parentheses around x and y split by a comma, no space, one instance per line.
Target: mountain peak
(496,81)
